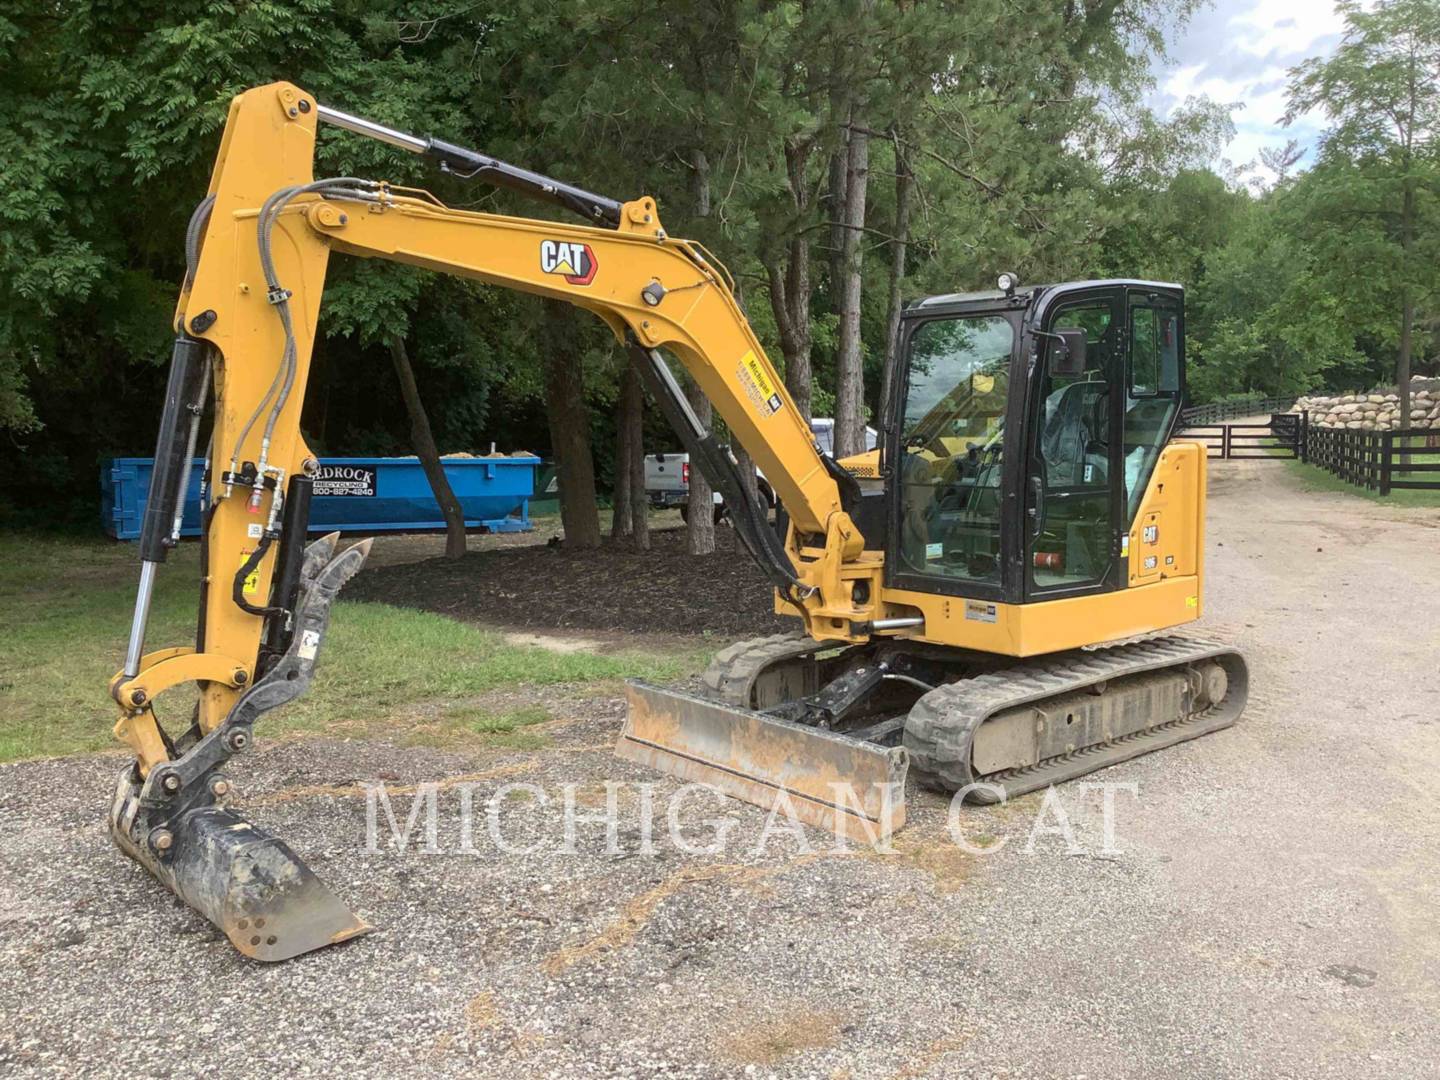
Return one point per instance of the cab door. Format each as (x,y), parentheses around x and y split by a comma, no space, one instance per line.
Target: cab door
(1075,480)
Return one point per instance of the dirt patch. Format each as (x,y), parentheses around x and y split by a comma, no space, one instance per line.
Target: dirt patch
(664,590)
(771,1038)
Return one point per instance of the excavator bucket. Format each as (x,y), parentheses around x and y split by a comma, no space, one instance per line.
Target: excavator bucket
(853,788)
(250,884)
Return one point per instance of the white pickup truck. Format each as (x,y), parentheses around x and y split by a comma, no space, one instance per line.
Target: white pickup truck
(667,476)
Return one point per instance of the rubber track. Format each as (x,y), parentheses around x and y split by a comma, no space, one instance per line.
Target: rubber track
(942,723)
(732,674)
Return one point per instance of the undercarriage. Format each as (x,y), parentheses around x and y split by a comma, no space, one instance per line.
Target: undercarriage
(988,726)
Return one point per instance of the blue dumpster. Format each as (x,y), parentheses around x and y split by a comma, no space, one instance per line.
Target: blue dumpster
(353,494)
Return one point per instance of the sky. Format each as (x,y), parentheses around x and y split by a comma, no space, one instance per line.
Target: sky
(1239,52)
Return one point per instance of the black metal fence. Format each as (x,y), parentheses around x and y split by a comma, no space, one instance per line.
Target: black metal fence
(1283,438)
(1381,461)
(1218,412)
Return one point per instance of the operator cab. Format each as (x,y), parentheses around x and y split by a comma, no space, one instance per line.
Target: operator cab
(1025,426)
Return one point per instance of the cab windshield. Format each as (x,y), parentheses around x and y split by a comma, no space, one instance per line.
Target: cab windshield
(952,430)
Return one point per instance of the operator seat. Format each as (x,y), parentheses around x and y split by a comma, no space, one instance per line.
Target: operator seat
(1074,435)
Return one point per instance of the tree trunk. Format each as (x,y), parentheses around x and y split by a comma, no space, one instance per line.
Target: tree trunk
(790,304)
(700,511)
(1407,309)
(621,519)
(788,271)
(839,182)
(904,182)
(425,449)
(632,520)
(569,426)
(849,360)
(700,182)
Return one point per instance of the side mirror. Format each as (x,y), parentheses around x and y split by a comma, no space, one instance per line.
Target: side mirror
(1067,354)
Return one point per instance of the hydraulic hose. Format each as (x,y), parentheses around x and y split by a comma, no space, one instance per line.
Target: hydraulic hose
(194,235)
(278,393)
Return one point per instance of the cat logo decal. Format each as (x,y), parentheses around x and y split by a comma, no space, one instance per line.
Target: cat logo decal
(574,262)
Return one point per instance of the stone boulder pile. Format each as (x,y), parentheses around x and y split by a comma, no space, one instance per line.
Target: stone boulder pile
(1376,411)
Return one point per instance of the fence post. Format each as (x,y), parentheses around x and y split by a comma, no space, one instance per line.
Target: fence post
(1303,436)
(1387,449)
(1225,442)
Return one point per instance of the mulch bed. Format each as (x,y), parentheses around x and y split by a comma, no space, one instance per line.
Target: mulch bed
(664,590)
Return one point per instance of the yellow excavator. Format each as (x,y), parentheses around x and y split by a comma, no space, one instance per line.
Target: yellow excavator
(1028,505)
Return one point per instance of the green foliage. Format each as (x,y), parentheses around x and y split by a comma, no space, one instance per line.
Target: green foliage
(1022,122)
(1263,321)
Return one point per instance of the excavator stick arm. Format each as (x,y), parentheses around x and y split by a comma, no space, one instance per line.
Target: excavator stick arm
(257,251)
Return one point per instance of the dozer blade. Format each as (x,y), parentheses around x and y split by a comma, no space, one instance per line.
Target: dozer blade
(853,788)
(247,882)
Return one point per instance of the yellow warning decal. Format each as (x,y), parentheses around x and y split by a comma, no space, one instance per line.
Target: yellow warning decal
(251,585)
(759,387)
(1192,601)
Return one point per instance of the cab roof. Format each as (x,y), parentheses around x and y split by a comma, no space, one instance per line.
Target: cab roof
(1032,291)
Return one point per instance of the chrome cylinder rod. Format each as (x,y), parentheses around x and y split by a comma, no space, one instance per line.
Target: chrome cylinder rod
(196,411)
(143,596)
(897,624)
(369,128)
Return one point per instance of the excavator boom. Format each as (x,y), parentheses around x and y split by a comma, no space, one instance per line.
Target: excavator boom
(257,250)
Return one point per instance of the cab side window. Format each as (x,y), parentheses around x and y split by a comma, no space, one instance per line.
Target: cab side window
(1154,352)
(1152,394)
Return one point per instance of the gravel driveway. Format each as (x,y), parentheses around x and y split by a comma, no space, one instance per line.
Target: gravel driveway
(1268,906)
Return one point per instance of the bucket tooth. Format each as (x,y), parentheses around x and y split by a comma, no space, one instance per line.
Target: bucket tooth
(851,787)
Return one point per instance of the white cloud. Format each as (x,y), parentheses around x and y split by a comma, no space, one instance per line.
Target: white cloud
(1240,52)
(1284,26)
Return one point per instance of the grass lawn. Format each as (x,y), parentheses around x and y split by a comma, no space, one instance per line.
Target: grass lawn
(388,670)
(1313,478)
